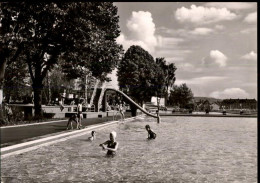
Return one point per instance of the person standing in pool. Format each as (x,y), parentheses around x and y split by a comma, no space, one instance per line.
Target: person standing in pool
(151,134)
(112,145)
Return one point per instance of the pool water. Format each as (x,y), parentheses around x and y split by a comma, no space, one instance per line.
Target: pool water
(187,149)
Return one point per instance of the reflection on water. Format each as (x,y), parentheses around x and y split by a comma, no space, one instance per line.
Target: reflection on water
(186,149)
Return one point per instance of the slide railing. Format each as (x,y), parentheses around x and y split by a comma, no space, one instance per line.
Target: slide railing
(138,106)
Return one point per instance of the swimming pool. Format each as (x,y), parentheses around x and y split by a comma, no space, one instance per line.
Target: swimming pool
(186,149)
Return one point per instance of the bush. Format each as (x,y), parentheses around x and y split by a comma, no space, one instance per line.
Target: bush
(48,115)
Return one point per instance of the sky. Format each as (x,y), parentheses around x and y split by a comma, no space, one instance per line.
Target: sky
(212,44)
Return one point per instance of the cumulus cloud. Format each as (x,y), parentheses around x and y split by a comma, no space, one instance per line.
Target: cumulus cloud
(203,15)
(250,56)
(142,29)
(201,31)
(230,93)
(218,58)
(232,5)
(251,18)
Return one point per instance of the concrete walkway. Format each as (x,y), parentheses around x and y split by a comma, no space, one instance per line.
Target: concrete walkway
(14,135)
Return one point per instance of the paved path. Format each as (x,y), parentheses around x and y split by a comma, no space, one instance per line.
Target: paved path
(15,135)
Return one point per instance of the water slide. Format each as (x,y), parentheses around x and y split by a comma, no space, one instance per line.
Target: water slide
(138,106)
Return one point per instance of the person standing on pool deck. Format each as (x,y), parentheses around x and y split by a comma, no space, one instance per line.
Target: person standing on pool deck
(74,118)
(112,145)
(80,115)
(151,134)
(121,111)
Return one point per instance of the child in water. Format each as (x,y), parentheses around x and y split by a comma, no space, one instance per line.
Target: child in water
(151,134)
(111,144)
(93,136)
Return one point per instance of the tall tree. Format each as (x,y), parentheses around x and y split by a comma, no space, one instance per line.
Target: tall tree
(136,73)
(180,95)
(169,74)
(81,34)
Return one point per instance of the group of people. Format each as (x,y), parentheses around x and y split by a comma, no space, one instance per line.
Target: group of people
(111,145)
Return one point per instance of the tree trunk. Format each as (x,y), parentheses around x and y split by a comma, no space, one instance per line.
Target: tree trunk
(133,110)
(2,73)
(37,89)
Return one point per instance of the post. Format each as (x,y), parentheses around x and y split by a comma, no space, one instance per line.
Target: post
(158,117)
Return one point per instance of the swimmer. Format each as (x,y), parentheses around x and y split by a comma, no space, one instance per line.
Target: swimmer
(112,145)
(151,134)
(74,118)
(93,136)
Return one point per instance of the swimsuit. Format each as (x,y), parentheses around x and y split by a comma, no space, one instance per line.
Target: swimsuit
(111,145)
(152,135)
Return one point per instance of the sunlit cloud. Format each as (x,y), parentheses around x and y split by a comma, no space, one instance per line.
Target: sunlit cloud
(203,15)
(250,56)
(142,29)
(230,93)
(251,18)
(232,5)
(215,57)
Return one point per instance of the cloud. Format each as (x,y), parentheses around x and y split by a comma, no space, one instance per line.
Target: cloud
(172,55)
(168,42)
(251,18)
(250,56)
(201,80)
(142,31)
(220,27)
(203,15)
(127,43)
(232,5)
(216,57)
(201,31)
(230,93)
(248,31)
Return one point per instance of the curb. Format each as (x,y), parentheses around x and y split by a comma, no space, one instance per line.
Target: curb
(31,145)
(40,123)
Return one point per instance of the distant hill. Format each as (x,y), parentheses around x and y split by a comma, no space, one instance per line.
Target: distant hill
(211,100)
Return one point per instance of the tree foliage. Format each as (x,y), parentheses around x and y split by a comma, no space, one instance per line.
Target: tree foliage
(16,85)
(137,74)
(166,76)
(79,34)
(180,96)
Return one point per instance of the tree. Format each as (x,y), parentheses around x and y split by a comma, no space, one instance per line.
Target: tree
(82,35)
(137,75)
(169,74)
(16,83)
(181,96)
